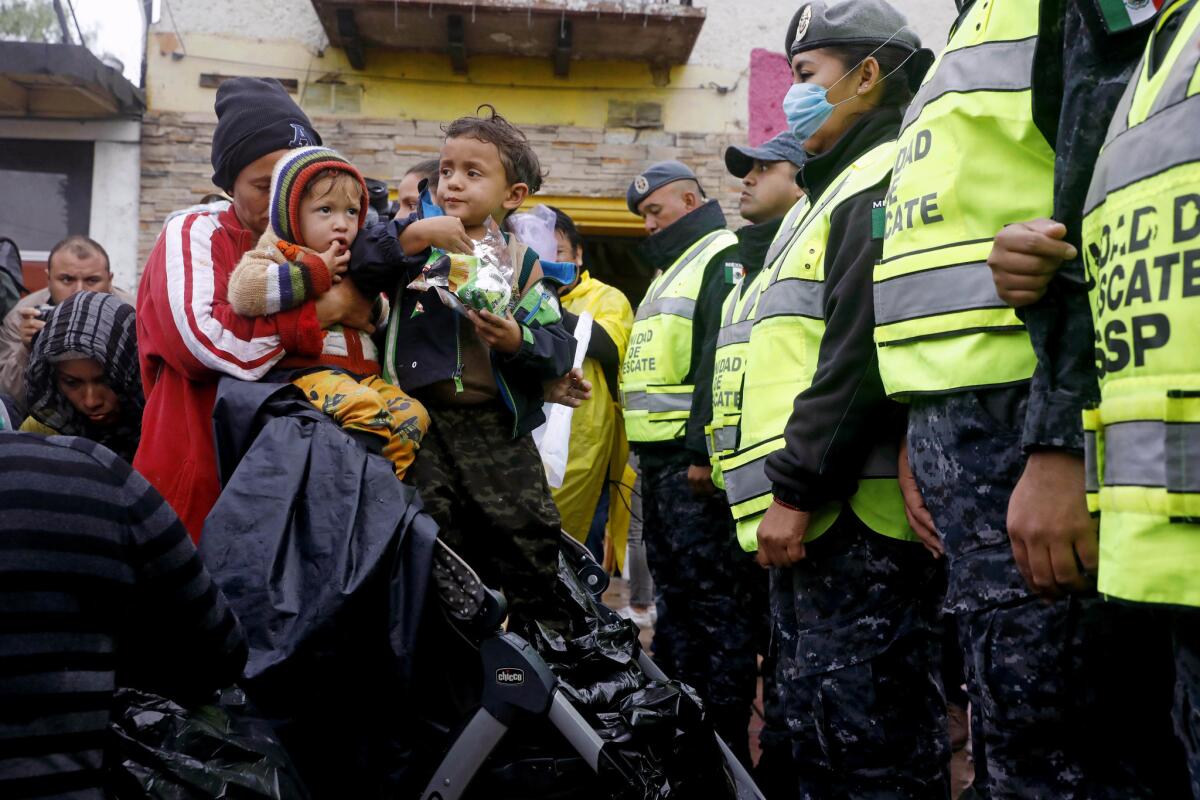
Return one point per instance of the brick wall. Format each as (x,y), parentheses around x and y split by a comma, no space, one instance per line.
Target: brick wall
(586,162)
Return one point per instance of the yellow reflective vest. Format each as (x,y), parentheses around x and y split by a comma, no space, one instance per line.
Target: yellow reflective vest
(1141,237)
(782,354)
(969,161)
(729,367)
(656,401)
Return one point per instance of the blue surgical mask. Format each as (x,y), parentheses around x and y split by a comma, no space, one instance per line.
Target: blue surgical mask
(806,105)
(806,108)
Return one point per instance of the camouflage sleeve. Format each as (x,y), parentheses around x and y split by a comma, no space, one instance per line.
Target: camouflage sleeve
(1093,75)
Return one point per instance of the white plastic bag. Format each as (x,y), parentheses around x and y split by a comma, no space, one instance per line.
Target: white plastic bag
(535,228)
(553,437)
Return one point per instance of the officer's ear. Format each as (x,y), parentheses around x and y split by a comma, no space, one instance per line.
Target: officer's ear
(690,194)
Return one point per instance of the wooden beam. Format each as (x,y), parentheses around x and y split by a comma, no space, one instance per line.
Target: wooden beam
(13,96)
(100,97)
(562,48)
(456,39)
(352,42)
(211,80)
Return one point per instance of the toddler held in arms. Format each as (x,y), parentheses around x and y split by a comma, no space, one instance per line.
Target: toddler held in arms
(318,205)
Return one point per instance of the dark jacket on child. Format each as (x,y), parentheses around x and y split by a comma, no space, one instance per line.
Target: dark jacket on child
(429,343)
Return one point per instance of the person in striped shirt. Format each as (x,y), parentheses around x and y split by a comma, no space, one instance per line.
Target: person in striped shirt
(100,587)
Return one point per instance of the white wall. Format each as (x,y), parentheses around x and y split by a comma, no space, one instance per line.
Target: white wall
(116,182)
(269,20)
(735,27)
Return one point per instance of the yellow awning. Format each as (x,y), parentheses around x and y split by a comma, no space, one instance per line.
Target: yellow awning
(598,216)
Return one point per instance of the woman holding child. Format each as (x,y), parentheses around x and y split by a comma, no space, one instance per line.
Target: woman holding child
(188,333)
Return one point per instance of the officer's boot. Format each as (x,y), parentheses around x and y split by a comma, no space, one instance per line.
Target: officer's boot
(732,724)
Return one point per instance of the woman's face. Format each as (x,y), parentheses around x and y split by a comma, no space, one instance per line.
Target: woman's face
(85,386)
(252,193)
(847,87)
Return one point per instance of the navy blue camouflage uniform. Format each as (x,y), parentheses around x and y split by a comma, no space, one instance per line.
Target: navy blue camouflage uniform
(705,633)
(854,622)
(1082,71)
(1051,684)
(751,580)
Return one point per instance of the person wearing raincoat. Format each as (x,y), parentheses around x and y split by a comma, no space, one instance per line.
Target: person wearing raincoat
(599,450)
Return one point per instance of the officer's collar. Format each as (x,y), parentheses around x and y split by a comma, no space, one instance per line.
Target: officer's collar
(754,241)
(871,129)
(662,248)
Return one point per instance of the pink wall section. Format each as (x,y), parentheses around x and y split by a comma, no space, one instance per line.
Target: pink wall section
(770,77)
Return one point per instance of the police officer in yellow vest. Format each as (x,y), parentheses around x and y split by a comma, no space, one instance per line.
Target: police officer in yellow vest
(1140,232)
(1141,236)
(994,475)
(769,192)
(704,629)
(813,479)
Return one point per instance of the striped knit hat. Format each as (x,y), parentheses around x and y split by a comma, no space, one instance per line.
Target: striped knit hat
(292,173)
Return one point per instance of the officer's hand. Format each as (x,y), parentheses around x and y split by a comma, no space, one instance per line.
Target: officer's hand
(781,536)
(570,390)
(1053,535)
(700,480)
(1025,256)
(919,518)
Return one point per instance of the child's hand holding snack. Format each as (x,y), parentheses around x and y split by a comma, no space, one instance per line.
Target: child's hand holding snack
(444,233)
(502,334)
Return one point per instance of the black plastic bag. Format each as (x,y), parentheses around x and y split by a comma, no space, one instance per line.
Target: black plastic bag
(162,750)
(325,557)
(662,743)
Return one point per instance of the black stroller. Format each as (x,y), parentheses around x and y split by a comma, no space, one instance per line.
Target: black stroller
(518,683)
(379,656)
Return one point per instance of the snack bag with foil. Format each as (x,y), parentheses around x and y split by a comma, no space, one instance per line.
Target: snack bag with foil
(490,283)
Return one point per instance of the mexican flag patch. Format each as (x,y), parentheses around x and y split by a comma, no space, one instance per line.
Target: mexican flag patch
(1123,15)
(734,272)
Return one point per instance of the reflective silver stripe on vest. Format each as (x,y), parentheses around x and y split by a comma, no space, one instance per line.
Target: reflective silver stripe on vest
(1152,454)
(676,306)
(692,256)
(747,481)
(750,480)
(793,297)
(1091,463)
(988,67)
(787,230)
(1164,141)
(936,291)
(1135,454)
(725,437)
(1175,87)
(656,402)
(737,333)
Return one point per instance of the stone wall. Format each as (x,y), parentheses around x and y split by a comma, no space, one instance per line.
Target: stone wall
(582,162)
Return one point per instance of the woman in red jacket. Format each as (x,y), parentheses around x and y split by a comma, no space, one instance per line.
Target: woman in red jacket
(188,336)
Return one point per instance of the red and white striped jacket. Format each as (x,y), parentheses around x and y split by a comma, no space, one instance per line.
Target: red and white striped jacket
(188,336)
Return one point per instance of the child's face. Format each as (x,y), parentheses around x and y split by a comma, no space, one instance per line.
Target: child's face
(410,198)
(329,213)
(473,185)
